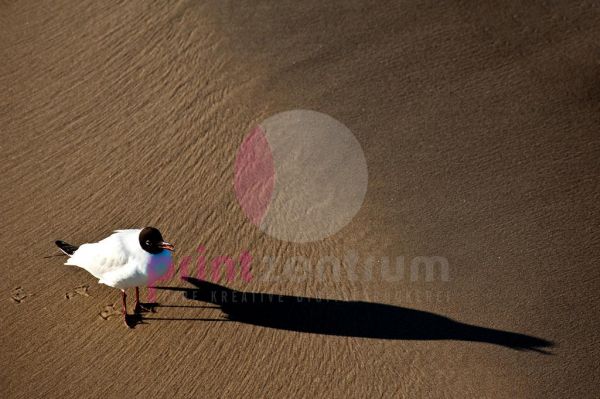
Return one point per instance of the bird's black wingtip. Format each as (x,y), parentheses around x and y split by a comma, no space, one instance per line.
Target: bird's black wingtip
(66,248)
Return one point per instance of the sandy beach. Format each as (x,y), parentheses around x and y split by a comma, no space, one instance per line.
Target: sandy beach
(479,123)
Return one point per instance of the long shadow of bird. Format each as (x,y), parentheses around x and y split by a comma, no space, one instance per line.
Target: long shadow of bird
(347,318)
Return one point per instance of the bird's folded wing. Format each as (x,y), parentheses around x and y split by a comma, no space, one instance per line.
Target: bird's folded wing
(102,257)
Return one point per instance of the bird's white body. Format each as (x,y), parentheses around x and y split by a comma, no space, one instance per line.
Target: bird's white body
(119,260)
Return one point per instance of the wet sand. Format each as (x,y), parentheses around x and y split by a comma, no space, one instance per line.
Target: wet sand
(479,123)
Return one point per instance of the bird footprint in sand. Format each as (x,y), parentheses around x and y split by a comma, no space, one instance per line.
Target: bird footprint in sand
(109,310)
(19,295)
(82,290)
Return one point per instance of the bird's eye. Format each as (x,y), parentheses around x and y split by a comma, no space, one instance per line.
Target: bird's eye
(148,242)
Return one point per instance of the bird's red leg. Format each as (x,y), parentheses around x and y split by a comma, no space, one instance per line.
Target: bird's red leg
(139,308)
(124,298)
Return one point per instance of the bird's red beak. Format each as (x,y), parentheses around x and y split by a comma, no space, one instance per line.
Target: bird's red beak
(167,246)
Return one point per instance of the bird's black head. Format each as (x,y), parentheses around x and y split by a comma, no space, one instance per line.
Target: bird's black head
(151,241)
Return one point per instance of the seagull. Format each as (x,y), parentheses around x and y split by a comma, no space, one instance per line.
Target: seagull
(125,259)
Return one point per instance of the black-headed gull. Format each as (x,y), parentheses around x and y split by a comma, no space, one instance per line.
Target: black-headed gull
(125,259)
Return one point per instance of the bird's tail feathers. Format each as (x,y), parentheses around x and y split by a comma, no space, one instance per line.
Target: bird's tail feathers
(66,248)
